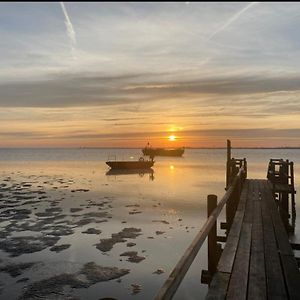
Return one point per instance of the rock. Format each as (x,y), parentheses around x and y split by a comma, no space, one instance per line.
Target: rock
(133,256)
(74,209)
(159,271)
(136,288)
(27,244)
(95,273)
(120,237)
(15,270)
(161,221)
(92,231)
(59,248)
(22,280)
(158,232)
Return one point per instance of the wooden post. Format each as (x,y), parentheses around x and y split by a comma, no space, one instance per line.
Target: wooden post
(237,195)
(228,162)
(245,168)
(292,182)
(230,210)
(212,237)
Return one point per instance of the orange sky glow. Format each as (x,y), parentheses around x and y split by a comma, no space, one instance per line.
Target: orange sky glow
(125,74)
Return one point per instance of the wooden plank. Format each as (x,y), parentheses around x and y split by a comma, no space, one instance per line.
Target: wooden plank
(280,232)
(238,283)
(257,278)
(284,188)
(244,196)
(249,203)
(295,246)
(218,286)
(291,275)
(220,281)
(274,277)
(228,255)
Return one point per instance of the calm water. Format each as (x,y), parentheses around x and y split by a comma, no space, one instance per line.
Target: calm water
(175,193)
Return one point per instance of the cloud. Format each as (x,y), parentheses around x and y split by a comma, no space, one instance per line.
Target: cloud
(70,29)
(97,90)
(216,134)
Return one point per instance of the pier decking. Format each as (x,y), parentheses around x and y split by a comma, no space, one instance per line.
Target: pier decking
(257,261)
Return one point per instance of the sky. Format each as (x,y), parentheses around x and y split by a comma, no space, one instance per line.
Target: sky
(99,74)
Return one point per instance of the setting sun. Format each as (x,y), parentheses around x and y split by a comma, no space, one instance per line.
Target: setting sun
(172,138)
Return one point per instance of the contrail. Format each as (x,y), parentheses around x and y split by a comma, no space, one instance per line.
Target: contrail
(231,20)
(70,29)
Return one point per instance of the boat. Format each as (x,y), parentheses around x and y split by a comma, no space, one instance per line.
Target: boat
(115,172)
(130,164)
(162,151)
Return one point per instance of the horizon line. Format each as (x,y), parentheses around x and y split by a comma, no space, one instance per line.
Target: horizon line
(207,148)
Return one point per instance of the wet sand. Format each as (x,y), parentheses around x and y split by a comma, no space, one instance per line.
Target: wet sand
(42,214)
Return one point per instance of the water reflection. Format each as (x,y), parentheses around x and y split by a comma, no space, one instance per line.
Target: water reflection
(140,172)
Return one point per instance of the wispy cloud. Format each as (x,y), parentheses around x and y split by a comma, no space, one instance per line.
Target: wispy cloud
(231,20)
(70,29)
(67,90)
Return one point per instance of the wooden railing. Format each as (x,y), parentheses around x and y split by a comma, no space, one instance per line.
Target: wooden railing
(281,176)
(231,199)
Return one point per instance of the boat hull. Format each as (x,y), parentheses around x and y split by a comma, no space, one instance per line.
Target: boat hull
(163,152)
(130,164)
(129,171)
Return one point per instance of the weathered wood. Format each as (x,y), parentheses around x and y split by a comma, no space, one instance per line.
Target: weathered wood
(289,265)
(227,259)
(212,236)
(221,239)
(257,278)
(238,283)
(283,188)
(258,260)
(295,246)
(249,202)
(292,180)
(218,286)
(280,233)
(228,163)
(291,275)
(274,277)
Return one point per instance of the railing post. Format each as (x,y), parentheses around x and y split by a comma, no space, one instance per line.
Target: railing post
(212,236)
(292,181)
(212,247)
(228,163)
(245,169)
(229,213)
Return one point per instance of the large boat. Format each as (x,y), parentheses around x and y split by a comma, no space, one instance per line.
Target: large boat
(131,164)
(115,172)
(162,151)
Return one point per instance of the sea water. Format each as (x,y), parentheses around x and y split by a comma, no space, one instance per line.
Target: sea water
(167,205)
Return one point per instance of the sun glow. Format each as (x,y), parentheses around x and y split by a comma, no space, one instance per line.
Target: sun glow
(172,138)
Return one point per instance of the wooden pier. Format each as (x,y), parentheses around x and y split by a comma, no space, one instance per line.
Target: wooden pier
(257,260)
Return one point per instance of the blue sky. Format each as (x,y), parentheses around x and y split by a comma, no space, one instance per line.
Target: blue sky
(205,70)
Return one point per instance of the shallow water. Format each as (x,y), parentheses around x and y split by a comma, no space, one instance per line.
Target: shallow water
(69,192)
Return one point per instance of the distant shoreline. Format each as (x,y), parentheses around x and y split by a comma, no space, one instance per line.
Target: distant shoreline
(138,148)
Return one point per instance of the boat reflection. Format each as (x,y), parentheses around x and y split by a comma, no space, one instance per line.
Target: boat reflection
(140,172)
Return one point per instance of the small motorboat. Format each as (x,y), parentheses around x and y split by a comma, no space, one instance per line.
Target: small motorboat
(131,164)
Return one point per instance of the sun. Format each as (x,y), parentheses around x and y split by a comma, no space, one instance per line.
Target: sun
(172,138)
